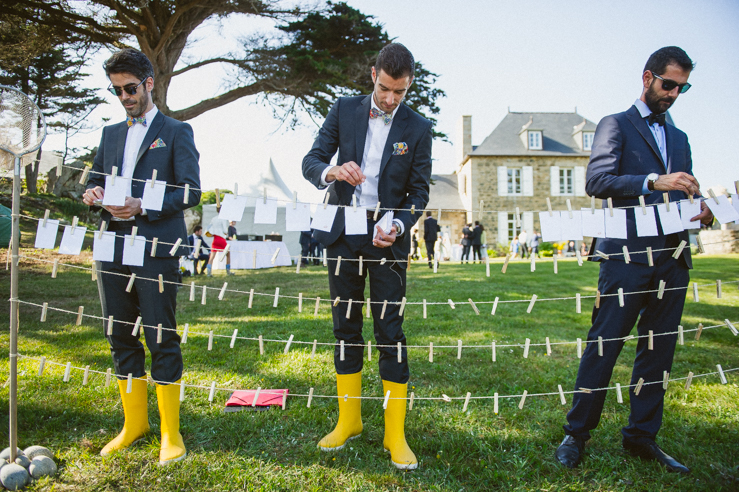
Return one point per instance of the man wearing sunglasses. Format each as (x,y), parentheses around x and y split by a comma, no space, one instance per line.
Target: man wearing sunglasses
(637,153)
(145,142)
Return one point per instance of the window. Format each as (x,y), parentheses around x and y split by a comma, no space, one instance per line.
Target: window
(566,182)
(511,226)
(514,181)
(587,140)
(535,141)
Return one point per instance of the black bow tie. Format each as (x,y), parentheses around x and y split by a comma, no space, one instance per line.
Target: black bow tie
(656,118)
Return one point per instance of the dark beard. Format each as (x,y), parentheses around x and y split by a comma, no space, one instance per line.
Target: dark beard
(656,104)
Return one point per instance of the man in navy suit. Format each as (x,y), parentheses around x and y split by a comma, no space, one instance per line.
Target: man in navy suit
(384,158)
(430,235)
(635,153)
(146,141)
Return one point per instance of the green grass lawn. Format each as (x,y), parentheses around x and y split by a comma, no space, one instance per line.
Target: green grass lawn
(276,449)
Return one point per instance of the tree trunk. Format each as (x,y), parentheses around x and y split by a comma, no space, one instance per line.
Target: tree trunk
(32,174)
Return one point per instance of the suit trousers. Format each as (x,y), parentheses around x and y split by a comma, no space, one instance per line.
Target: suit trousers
(387,282)
(146,301)
(430,252)
(613,321)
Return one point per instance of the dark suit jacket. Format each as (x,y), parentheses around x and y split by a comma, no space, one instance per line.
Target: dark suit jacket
(430,230)
(404,179)
(176,163)
(624,152)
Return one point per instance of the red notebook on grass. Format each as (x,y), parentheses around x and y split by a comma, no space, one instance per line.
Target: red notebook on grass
(266,398)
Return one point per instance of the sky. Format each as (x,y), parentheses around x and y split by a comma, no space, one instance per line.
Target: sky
(491,57)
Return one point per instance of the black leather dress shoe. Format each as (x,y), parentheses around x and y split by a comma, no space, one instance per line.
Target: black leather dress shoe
(570,451)
(650,451)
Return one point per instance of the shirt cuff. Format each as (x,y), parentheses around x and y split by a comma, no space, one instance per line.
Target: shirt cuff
(323,176)
(399,224)
(143,211)
(645,187)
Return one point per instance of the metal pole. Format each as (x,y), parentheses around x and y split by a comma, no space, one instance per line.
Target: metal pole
(15,243)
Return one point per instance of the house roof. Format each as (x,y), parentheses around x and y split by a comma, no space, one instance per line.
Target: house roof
(444,193)
(557,132)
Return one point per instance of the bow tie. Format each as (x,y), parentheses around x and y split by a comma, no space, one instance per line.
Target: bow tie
(656,118)
(386,117)
(131,121)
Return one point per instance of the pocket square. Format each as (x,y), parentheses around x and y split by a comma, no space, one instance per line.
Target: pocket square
(157,144)
(400,148)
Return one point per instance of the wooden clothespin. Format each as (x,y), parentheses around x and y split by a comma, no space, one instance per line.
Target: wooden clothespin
(182,390)
(134,231)
(451,303)
(578,303)
(368,308)
(361,261)
(474,307)
(569,207)
(688,380)
(621,296)
(505,263)
(526,346)
(369,350)
(562,398)
(113,174)
(459,349)
(196,249)
(446,398)
(701,249)
(313,350)
(713,195)
(153,178)
(310,397)
(619,395)
(43,311)
(94,272)
(650,340)
(154,247)
(277,296)
(336,301)
(224,253)
(80,313)
(639,385)
(287,345)
(400,353)
(523,399)
(695,292)
(218,198)
(610,206)
(661,290)
(597,298)
(487,266)
(295,200)
(431,351)
(341,350)
(159,334)
(203,297)
(261,344)
(46,218)
(410,403)
(579,348)
(108,373)
(680,335)
(579,257)
(533,263)
(554,263)
(600,346)
(129,383)
(349,308)
(549,207)
(86,376)
(424,309)
(384,308)
(718,289)
(83,178)
(318,304)
(212,393)
(173,251)
(592,205)
(721,374)
(481,205)
(186,195)
(466,402)
(692,200)
(192,291)
(650,256)
(130,282)
(665,379)
(531,303)
(549,346)
(110,326)
(402,306)
(601,254)
(377,211)
(103,228)
(382,261)
(137,326)
(338,265)
(493,349)
(731,327)
(161,283)
(642,205)
(75,219)
(265,195)
(413,209)
(223,291)
(495,403)
(666,199)
(387,397)
(300,302)
(627,256)
(495,306)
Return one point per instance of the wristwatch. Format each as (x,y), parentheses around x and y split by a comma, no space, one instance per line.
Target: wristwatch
(651,178)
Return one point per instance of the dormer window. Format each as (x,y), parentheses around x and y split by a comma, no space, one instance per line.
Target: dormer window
(535,140)
(587,140)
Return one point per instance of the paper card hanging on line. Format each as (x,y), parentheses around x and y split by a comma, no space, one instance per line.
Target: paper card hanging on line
(103,246)
(153,195)
(551,228)
(265,399)
(386,222)
(735,204)
(593,222)
(355,221)
(46,236)
(688,211)
(671,221)
(646,224)
(133,254)
(116,193)
(616,225)
(571,227)
(323,219)
(72,243)
(298,218)
(723,210)
(232,208)
(265,213)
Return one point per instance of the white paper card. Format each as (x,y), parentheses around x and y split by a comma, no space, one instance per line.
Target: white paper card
(355,220)
(46,236)
(593,222)
(266,213)
(735,203)
(646,224)
(671,221)
(298,218)
(133,254)
(571,227)
(232,208)
(551,228)
(153,197)
(103,248)
(688,211)
(723,211)
(385,223)
(323,219)
(115,194)
(616,225)
(72,243)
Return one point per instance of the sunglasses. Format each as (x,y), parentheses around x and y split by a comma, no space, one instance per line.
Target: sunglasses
(669,85)
(130,89)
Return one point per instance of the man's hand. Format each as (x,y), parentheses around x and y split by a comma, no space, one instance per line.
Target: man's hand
(131,208)
(349,172)
(382,240)
(706,216)
(93,194)
(677,182)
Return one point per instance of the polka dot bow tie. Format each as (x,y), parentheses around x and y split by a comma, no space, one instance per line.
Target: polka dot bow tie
(386,117)
(131,121)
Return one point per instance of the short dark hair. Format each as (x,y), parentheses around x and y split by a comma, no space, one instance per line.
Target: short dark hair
(129,60)
(396,61)
(197,228)
(669,55)
(428,213)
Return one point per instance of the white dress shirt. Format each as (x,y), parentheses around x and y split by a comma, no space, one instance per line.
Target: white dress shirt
(659,136)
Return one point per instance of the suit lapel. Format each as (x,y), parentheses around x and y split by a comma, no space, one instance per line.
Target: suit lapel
(120,147)
(396,132)
(151,134)
(643,129)
(362,119)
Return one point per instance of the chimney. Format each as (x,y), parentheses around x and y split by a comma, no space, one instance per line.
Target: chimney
(463,139)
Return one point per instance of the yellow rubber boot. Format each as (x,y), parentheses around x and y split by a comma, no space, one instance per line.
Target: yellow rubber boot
(172,446)
(349,425)
(136,415)
(394,442)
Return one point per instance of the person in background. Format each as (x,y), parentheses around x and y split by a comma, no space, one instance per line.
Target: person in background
(305,237)
(514,248)
(535,242)
(203,254)
(414,243)
(232,232)
(477,241)
(430,236)
(523,244)
(218,230)
(466,242)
